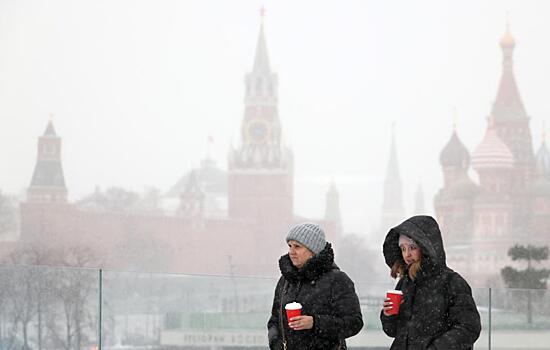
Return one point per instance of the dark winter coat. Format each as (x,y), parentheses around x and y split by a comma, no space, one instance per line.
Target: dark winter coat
(326,293)
(438,312)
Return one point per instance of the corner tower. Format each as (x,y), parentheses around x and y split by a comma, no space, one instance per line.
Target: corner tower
(48,183)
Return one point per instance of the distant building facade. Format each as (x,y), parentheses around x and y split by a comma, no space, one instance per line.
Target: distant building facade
(230,222)
(510,203)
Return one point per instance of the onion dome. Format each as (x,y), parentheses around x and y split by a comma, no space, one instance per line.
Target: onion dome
(543,161)
(454,153)
(507,40)
(508,104)
(492,153)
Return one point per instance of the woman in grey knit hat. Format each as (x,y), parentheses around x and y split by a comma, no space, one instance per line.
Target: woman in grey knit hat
(330,306)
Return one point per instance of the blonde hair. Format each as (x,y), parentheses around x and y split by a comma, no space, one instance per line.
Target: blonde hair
(398,269)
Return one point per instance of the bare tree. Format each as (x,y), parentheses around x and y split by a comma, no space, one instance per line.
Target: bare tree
(75,286)
(23,300)
(8,214)
(354,258)
(41,287)
(36,293)
(9,319)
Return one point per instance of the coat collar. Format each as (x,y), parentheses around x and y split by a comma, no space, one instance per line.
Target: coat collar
(312,269)
(428,269)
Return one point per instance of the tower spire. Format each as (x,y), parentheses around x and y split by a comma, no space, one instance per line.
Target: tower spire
(261,131)
(332,208)
(392,207)
(508,110)
(508,104)
(261,59)
(419,200)
(392,172)
(261,167)
(543,132)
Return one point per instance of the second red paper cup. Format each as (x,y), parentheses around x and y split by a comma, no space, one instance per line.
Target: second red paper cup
(395,297)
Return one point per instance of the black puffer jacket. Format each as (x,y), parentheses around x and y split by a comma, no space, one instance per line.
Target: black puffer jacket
(326,293)
(438,311)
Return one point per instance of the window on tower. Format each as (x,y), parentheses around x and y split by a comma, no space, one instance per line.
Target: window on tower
(259,86)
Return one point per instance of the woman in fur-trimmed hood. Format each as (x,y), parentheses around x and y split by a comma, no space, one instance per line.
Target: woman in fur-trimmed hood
(330,306)
(437,311)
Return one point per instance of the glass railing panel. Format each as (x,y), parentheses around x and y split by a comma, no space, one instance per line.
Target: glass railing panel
(48,308)
(142,309)
(483,299)
(371,296)
(58,308)
(520,319)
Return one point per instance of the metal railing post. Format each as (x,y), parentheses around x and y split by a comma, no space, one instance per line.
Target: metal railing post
(100,307)
(490,309)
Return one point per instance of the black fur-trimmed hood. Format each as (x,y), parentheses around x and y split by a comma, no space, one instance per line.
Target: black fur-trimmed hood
(316,266)
(424,230)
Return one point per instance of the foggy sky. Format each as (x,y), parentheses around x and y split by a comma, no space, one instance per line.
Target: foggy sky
(136,87)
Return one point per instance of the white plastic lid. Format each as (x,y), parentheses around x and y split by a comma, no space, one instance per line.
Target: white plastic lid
(293,306)
(393,291)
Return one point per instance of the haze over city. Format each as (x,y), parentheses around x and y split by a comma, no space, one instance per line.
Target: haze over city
(136,88)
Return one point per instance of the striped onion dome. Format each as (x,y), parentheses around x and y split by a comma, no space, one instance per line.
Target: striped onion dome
(543,161)
(492,153)
(454,153)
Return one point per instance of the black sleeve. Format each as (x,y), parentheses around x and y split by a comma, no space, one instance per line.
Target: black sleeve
(463,316)
(389,324)
(273,334)
(346,320)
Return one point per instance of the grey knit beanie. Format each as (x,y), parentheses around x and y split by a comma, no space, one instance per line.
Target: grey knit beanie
(308,234)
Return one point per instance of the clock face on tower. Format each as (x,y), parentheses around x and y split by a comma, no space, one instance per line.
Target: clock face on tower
(257,131)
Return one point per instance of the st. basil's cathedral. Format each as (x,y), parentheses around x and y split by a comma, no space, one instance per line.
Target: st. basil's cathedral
(508,203)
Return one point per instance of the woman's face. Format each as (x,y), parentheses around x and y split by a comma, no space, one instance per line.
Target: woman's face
(411,253)
(298,253)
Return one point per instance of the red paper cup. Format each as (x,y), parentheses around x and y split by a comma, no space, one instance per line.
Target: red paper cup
(293,310)
(395,297)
